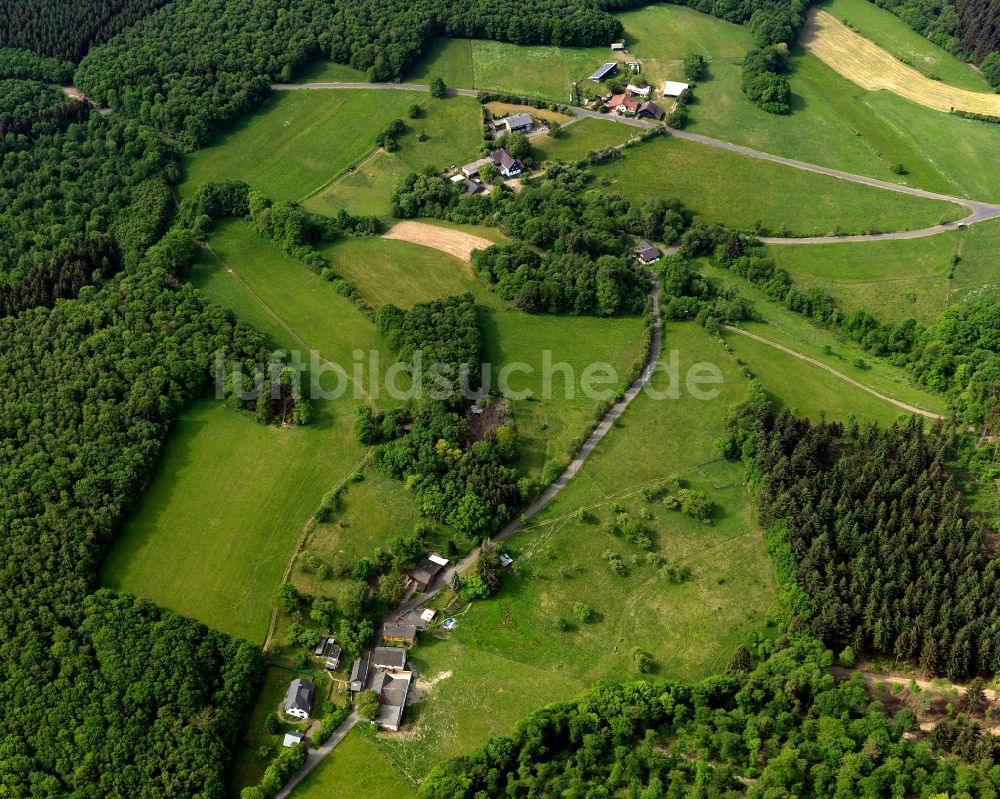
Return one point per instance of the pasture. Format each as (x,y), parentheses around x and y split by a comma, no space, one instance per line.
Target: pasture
(300,141)
(689,629)
(976,274)
(795,331)
(212,533)
(805,389)
(872,68)
(752,194)
(893,280)
(900,40)
(580,138)
(384,270)
(356,768)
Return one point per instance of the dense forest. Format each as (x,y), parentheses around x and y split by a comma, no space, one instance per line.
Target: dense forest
(458,480)
(784,728)
(95,703)
(66,28)
(69,176)
(888,557)
(197,64)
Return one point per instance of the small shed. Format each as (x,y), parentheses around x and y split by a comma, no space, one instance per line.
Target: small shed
(651,110)
(674,88)
(292,739)
(617,47)
(321,646)
(640,91)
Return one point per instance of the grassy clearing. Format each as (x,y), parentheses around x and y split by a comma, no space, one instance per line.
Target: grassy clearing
(838,124)
(872,67)
(213,532)
(211,535)
(367,189)
(749,193)
(896,37)
(448,59)
(403,273)
(357,767)
(807,390)
(893,280)
(301,140)
(470,696)
(689,629)
(798,333)
(579,139)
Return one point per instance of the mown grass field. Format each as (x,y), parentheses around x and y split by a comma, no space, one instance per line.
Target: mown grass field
(357,767)
(748,193)
(893,35)
(214,530)
(871,67)
(211,535)
(689,629)
(976,275)
(894,280)
(825,345)
(580,138)
(299,141)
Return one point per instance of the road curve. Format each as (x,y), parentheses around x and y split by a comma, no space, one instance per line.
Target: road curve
(978,211)
(899,404)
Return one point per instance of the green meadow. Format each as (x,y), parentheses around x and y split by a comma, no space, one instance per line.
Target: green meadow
(892,34)
(748,193)
(300,141)
(211,535)
(825,345)
(580,138)
(893,280)
(357,767)
(689,629)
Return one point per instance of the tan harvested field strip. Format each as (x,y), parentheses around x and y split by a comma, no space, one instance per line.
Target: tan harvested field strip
(869,66)
(453,242)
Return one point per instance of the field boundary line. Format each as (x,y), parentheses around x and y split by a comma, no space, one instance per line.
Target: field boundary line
(898,403)
(343,173)
(301,541)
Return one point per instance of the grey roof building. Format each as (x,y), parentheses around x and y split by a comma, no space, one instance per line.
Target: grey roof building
(604,71)
(359,675)
(388,657)
(646,253)
(299,699)
(518,122)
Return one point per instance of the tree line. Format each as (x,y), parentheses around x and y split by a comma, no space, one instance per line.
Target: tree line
(784,727)
(95,702)
(198,64)
(65,29)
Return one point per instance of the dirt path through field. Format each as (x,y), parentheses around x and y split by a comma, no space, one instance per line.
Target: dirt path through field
(831,370)
(863,62)
(454,242)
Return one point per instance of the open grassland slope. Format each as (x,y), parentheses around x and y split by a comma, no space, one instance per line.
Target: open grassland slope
(873,68)
(298,142)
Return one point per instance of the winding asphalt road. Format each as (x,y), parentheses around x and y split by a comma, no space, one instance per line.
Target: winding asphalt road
(978,211)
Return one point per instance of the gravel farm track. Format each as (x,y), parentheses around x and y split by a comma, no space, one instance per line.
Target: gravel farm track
(863,62)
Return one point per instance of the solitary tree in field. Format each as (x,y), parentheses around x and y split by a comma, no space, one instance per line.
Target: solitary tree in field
(438,89)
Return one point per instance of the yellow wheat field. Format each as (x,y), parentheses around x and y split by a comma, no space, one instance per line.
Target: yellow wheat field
(868,65)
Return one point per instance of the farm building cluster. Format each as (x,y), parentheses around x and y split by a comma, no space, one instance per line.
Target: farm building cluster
(636,99)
